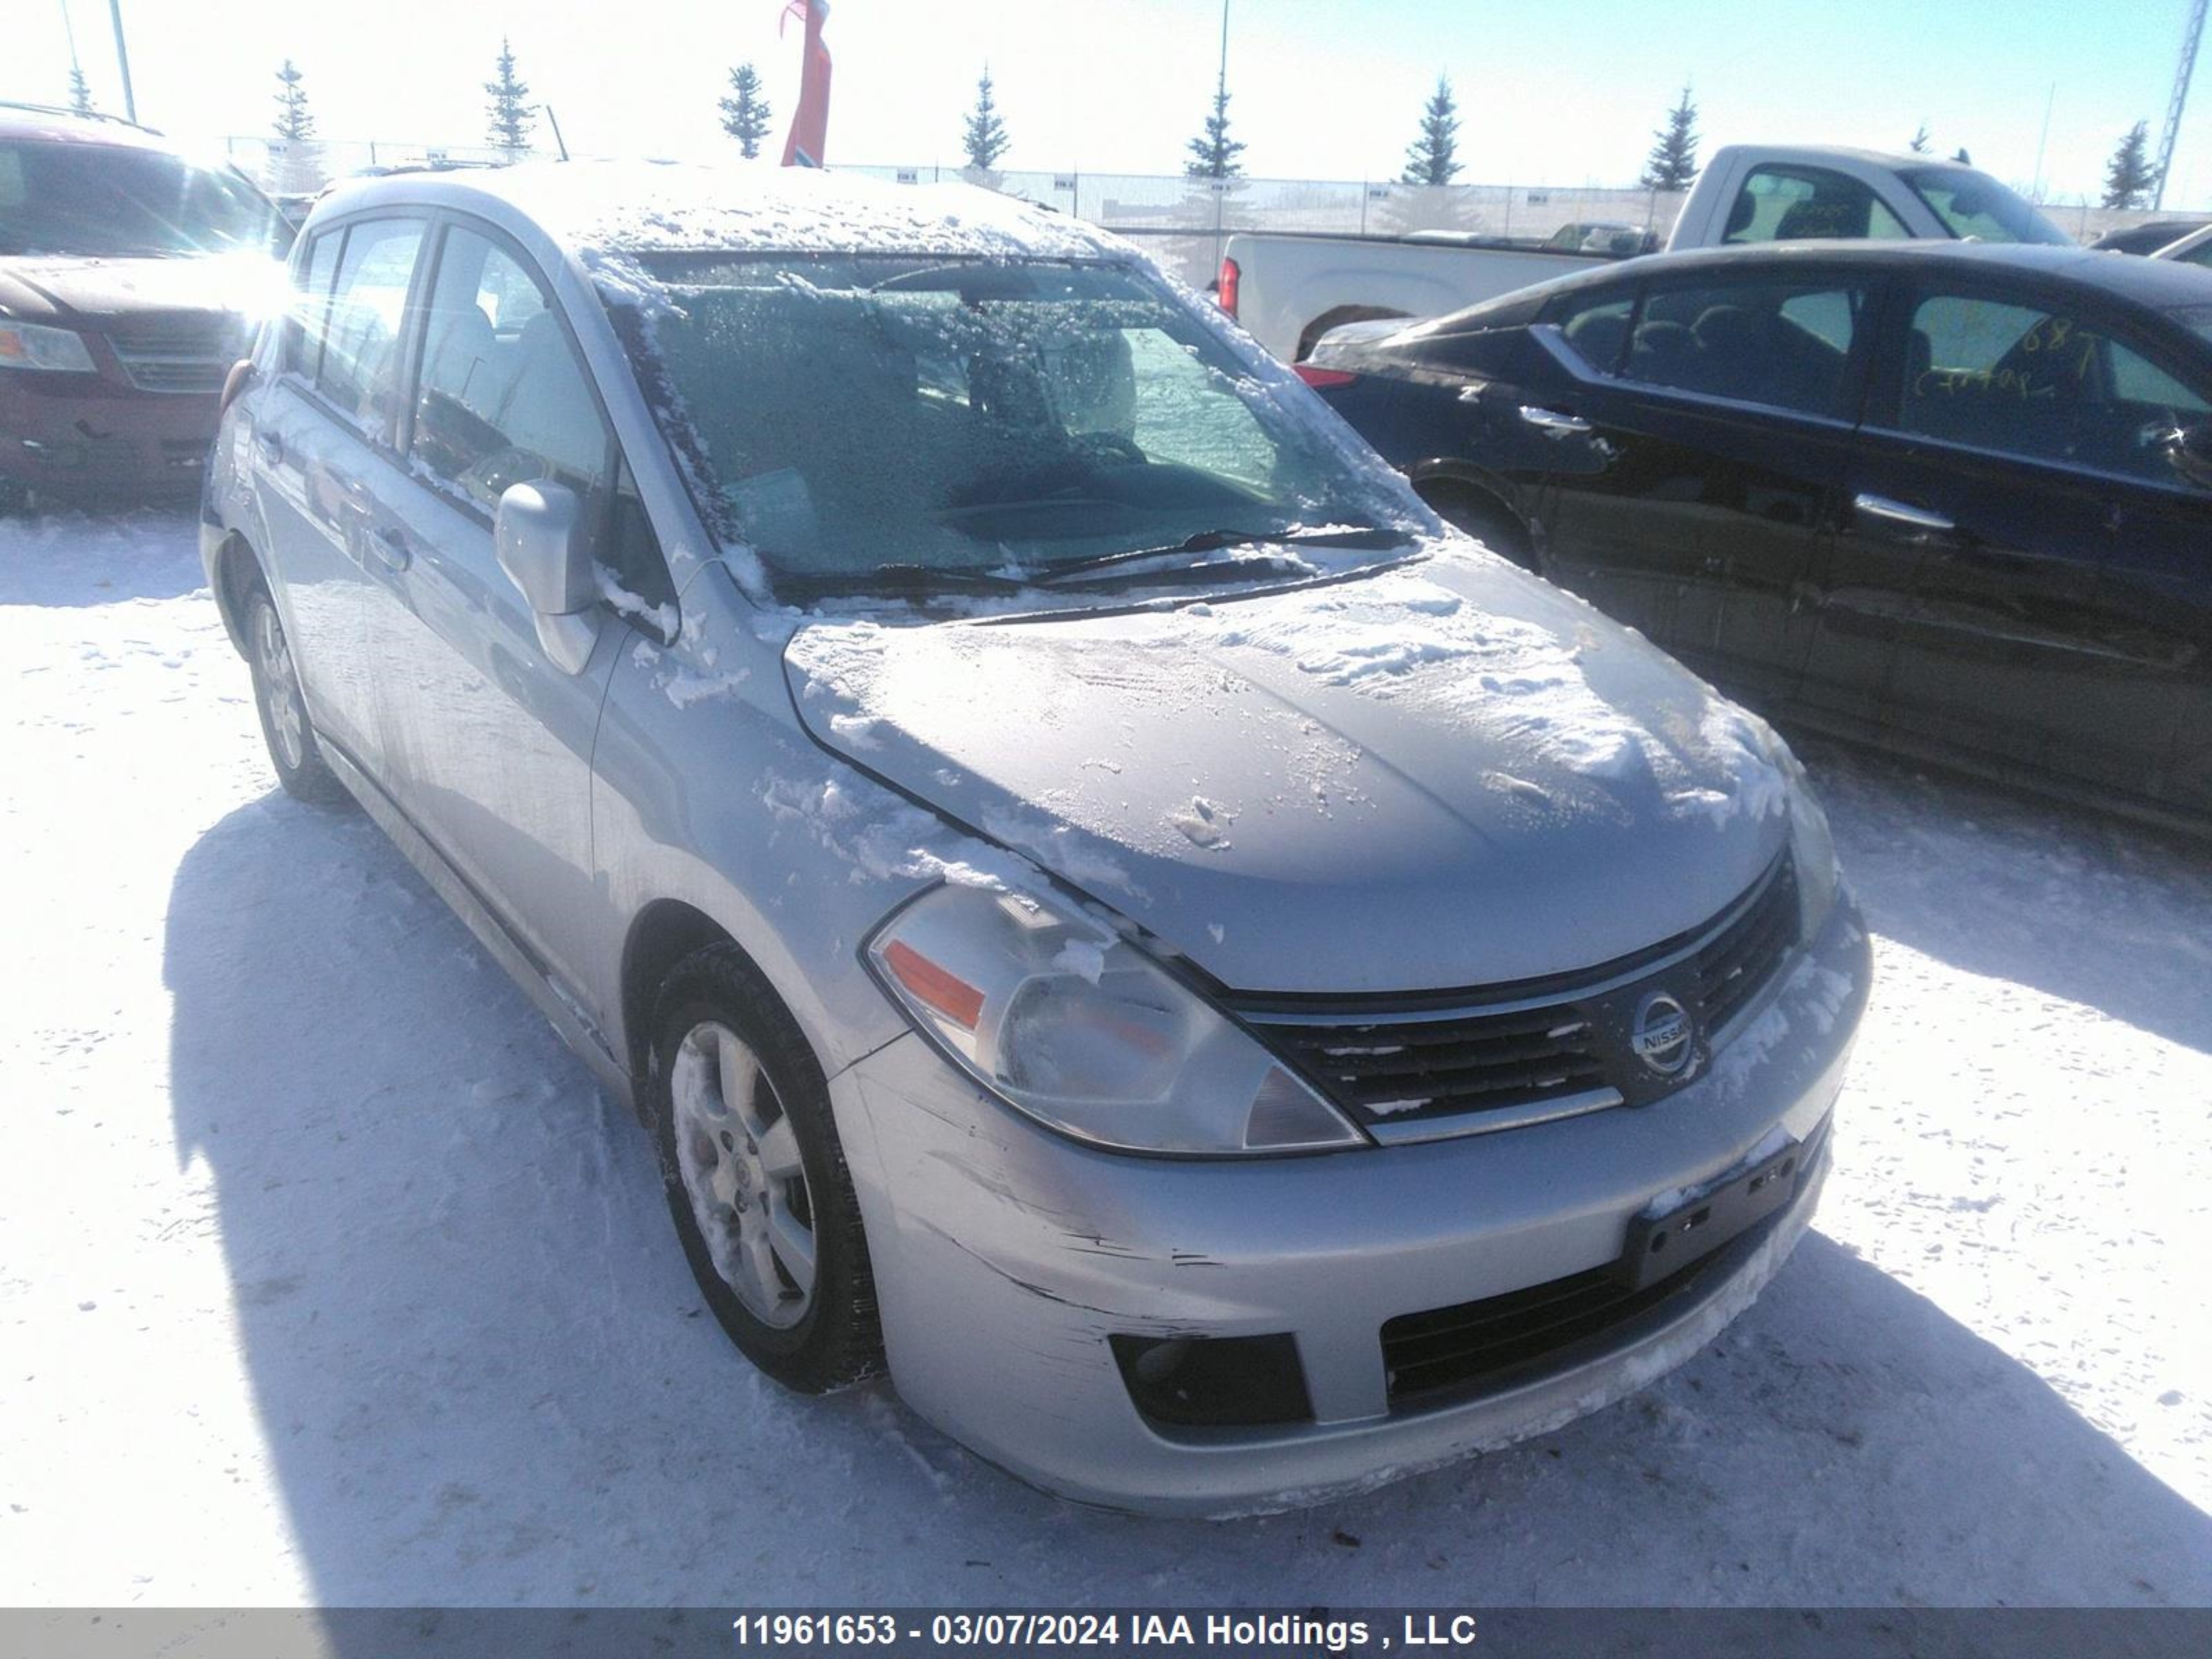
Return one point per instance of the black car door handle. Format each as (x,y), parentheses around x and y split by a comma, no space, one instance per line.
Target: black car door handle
(391,549)
(1917,523)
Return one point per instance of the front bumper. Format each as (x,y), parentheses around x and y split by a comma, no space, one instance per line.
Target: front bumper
(1005,1257)
(82,434)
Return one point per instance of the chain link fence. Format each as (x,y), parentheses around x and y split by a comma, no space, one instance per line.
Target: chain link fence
(1183,222)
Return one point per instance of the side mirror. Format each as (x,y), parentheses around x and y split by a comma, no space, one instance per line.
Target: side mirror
(542,547)
(2189,449)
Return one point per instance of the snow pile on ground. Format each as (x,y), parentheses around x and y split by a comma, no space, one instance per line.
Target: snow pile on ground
(326,1273)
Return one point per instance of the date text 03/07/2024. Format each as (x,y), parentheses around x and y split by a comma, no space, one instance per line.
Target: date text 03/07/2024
(1021,1630)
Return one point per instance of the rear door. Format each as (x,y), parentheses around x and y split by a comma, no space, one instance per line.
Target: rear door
(2012,586)
(1699,483)
(320,454)
(489,741)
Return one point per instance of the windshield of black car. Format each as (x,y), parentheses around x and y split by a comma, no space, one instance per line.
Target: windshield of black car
(1975,207)
(62,199)
(965,415)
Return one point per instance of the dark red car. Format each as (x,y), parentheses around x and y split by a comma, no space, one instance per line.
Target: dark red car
(129,277)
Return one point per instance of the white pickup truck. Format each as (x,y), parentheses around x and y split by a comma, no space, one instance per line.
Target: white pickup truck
(1291,289)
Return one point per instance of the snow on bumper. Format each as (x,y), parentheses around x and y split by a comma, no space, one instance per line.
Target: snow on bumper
(1005,1257)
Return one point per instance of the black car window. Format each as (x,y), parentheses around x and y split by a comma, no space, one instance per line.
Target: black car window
(2039,384)
(1785,343)
(1597,326)
(359,368)
(1791,204)
(309,319)
(503,399)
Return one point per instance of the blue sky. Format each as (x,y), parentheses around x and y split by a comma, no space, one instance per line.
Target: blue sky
(1558,95)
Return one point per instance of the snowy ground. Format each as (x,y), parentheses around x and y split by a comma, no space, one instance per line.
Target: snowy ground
(326,1275)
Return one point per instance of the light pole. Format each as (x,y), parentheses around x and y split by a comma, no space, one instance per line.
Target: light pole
(123,60)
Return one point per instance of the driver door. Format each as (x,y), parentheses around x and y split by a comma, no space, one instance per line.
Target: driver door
(489,742)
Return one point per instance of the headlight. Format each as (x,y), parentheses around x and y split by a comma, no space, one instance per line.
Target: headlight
(1812,846)
(1062,1017)
(29,345)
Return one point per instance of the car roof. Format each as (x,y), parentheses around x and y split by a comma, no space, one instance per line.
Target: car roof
(641,207)
(1813,154)
(2159,284)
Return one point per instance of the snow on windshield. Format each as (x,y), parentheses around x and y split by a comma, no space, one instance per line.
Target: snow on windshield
(928,380)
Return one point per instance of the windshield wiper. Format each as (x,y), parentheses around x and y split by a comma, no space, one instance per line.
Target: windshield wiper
(902,579)
(1212,541)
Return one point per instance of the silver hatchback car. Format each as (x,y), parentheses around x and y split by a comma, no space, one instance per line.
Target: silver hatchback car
(1228,990)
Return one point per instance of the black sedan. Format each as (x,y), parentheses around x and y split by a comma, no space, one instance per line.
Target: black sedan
(1954,500)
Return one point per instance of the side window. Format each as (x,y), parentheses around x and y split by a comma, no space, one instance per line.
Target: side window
(360,364)
(1595,326)
(2038,384)
(503,399)
(311,305)
(1790,204)
(1785,344)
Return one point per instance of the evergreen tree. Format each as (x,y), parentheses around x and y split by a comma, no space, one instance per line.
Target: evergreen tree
(1432,157)
(80,92)
(1920,140)
(1214,155)
(745,113)
(513,115)
(1674,158)
(295,122)
(2129,177)
(985,138)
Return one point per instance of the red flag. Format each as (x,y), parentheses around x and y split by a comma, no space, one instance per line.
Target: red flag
(810,122)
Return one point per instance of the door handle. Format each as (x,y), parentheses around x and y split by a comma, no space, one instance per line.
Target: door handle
(1552,422)
(1924,524)
(272,447)
(391,549)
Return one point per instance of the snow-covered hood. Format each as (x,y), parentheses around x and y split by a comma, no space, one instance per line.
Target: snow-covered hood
(78,291)
(1448,774)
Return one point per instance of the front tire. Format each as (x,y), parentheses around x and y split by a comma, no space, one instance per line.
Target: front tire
(756,1176)
(293,749)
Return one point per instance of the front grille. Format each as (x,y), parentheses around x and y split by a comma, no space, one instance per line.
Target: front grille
(1520,1052)
(188,353)
(1448,1355)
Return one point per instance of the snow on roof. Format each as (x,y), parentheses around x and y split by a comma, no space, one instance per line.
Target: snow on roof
(637,207)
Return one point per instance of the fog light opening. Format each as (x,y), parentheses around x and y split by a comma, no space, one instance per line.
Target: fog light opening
(1230,1381)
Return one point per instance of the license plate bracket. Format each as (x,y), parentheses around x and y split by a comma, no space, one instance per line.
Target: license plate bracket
(1661,1246)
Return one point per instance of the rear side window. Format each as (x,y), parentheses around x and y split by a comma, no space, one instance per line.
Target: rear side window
(1792,203)
(304,328)
(359,369)
(1783,344)
(2041,385)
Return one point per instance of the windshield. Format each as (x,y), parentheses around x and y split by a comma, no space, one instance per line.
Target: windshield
(1975,207)
(104,200)
(921,415)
